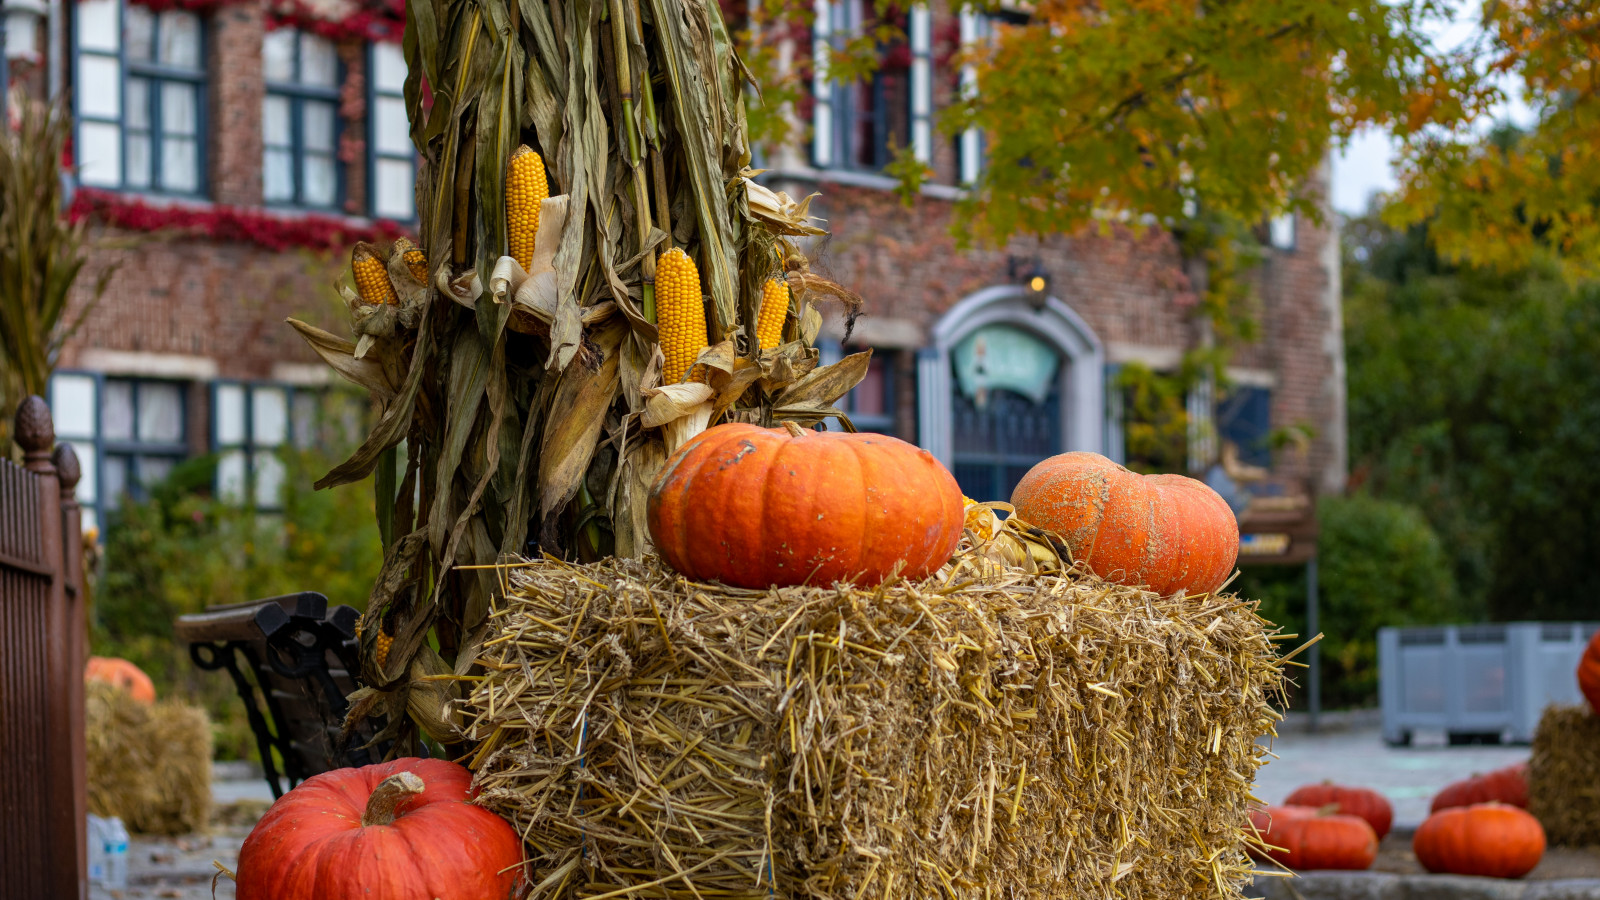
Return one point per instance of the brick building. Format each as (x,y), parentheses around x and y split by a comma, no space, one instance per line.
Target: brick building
(281,127)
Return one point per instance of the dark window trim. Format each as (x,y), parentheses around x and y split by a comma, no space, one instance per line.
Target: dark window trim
(297,94)
(248,446)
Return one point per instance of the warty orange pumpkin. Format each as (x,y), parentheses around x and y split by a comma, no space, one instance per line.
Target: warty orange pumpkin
(1166,531)
(402,830)
(1491,840)
(1508,785)
(757,507)
(1589,673)
(119,672)
(1361,802)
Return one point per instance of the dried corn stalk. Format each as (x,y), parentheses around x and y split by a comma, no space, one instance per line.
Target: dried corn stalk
(528,395)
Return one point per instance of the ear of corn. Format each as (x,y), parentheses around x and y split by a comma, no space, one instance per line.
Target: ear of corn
(774,307)
(371,275)
(412,256)
(384,642)
(526,188)
(680,314)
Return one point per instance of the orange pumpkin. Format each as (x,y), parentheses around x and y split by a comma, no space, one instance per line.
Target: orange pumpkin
(1508,785)
(402,830)
(1490,839)
(1364,803)
(1589,673)
(123,674)
(1166,531)
(1265,819)
(756,507)
(1325,841)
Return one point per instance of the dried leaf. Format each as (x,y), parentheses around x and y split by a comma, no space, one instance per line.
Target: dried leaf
(674,401)
(341,355)
(827,384)
(576,416)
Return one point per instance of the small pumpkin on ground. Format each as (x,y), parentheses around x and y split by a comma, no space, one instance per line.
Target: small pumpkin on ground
(1166,531)
(1491,840)
(1508,785)
(1365,803)
(1265,819)
(757,507)
(1589,673)
(120,673)
(401,830)
(1324,840)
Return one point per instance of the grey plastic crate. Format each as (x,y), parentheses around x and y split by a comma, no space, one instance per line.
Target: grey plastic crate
(1477,680)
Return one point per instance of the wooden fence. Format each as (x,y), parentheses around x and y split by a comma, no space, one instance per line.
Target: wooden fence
(43,638)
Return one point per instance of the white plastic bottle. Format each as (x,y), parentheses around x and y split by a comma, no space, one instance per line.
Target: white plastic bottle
(97,850)
(116,854)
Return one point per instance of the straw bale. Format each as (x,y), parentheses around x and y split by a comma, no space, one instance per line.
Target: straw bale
(1010,735)
(149,765)
(1564,775)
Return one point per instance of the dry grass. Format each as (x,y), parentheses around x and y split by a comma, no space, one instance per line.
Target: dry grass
(1007,736)
(148,765)
(1564,776)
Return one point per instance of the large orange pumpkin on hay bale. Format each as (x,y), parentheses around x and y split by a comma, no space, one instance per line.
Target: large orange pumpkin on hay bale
(1491,840)
(1589,673)
(1324,840)
(401,830)
(1363,803)
(757,507)
(120,673)
(1508,785)
(1166,531)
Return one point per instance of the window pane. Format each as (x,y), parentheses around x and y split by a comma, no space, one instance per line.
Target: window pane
(91,521)
(275,121)
(269,416)
(97,25)
(321,180)
(278,176)
(230,415)
(231,476)
(179,108)
(138,32)
(277,55)
(305,414)
(388,68)
(319,64)
(160,412)
(138,174)
(180,39)
(180,165)
(269,479)
(318,120)
(394,195)
(116,411)
(154,469)
(138,94)
(100,154)
(870,397)
(391,132)
(99,86)
(116,474)
(72,405)
(86,463)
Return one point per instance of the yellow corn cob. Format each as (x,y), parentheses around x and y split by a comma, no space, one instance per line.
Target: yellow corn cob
(383,643)
(526,188)
(412,256)
(372,276)
(680,314)
(774,306)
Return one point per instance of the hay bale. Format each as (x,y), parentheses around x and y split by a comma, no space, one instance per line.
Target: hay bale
(1009,736)
(1564,775)
(149,765)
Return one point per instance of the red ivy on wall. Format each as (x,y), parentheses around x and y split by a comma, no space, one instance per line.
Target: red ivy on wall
(229,223)
(370,20)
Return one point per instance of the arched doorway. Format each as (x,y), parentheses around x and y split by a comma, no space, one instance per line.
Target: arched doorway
(1007,382)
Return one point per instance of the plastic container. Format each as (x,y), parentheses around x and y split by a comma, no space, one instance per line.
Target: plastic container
(116,854)
(97,850)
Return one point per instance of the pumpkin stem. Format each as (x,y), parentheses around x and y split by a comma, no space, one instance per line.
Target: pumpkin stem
(794,430)
(388,794)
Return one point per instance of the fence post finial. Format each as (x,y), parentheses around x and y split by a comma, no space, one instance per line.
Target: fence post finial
(35,433)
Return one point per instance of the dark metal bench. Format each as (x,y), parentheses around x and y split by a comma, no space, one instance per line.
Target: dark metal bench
(294,663)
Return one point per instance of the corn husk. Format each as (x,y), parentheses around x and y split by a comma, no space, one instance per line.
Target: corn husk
(984,733)
(1564,775)
(149,765)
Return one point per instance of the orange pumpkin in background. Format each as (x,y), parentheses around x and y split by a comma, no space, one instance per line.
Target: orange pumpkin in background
(1325,841)
(760,507)
(1589,673)
(1363,803)
(119,672)
(1491,840)
(1268,820)
(1166,531)
(1508,785)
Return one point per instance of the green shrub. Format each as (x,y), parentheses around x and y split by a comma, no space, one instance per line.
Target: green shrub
(1379,564)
